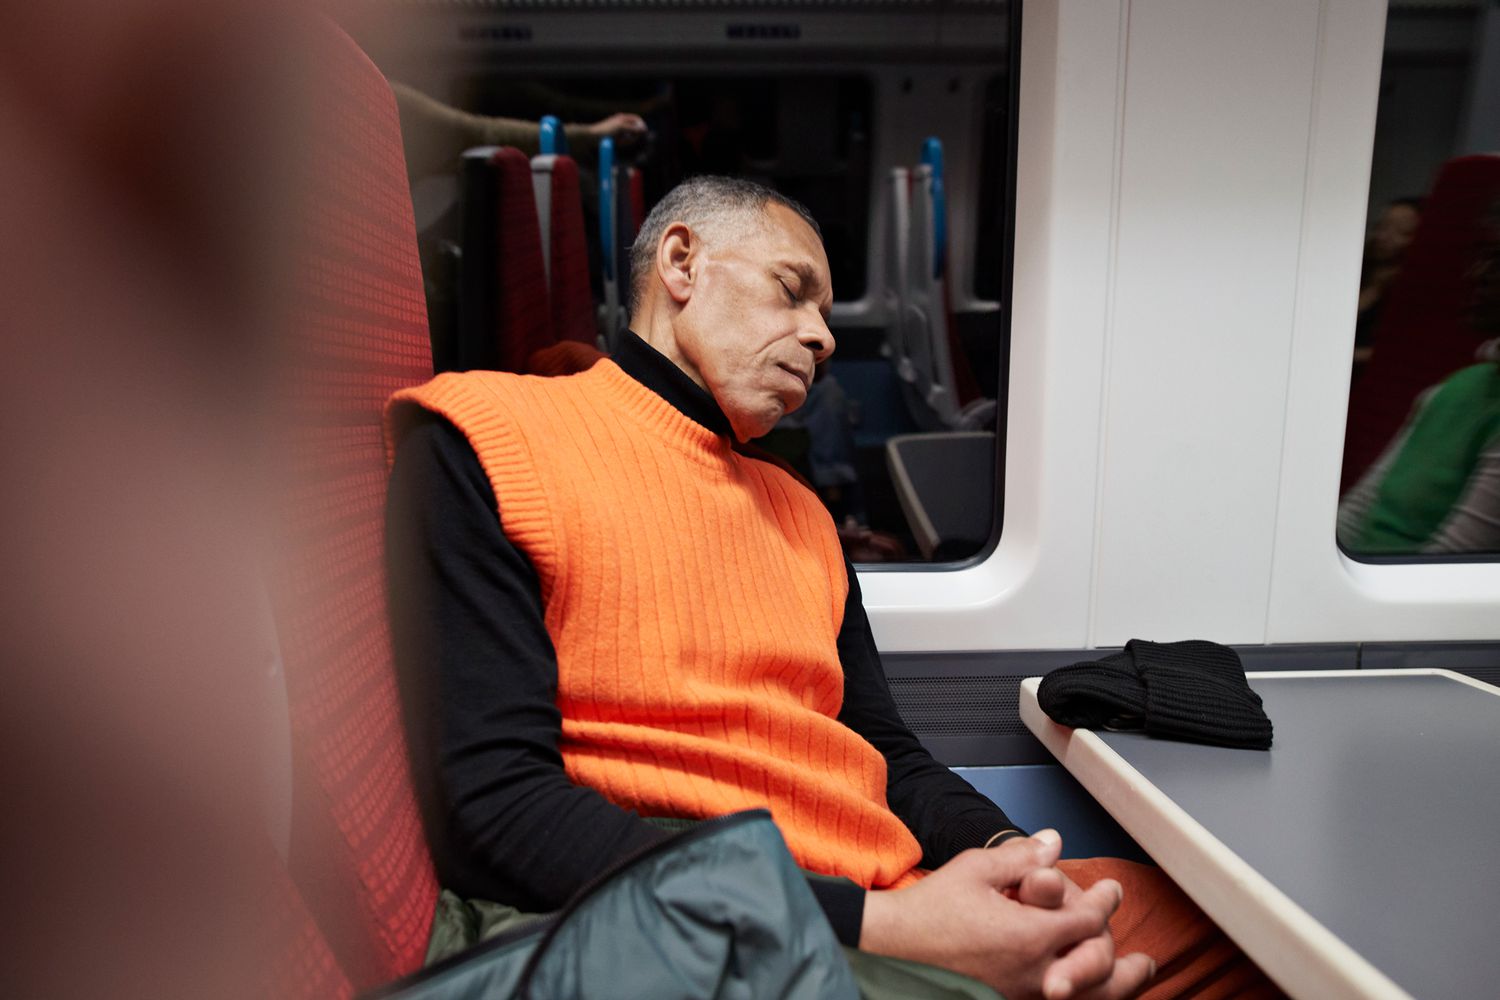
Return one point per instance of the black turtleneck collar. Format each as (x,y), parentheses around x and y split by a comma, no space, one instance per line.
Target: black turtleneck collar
(656,372)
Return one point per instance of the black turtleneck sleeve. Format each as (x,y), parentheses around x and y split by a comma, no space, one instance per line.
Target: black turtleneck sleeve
(479,677)
(942,810)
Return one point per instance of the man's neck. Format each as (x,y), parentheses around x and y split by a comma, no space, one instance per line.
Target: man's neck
(657,372)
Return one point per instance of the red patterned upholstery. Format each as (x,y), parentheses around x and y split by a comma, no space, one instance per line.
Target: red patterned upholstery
(358,332)
(1424,331)
(572,299)
(524,312)
(306,968)
(637,184)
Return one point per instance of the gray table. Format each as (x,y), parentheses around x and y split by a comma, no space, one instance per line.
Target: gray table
(1359,857)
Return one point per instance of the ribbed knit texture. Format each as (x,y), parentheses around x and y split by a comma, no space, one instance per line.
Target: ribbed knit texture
(694,598)
(1192,690)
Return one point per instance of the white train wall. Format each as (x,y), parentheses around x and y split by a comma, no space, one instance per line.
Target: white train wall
(1191,201)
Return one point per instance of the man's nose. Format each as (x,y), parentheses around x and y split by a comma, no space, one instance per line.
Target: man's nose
(816,337)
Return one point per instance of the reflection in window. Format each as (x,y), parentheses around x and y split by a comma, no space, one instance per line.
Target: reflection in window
(805,136)
(1421,473)
(898,434)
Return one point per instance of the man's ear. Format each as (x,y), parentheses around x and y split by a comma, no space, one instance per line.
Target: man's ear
(675,256)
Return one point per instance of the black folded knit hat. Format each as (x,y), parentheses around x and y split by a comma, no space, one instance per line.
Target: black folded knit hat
(1192,690)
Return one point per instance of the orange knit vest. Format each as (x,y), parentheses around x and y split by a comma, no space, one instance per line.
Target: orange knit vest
(694,597)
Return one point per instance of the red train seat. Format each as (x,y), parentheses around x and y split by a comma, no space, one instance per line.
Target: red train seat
(525,315)
(637,183)
(305,967)
(565,241)
(357,332)
(504,309)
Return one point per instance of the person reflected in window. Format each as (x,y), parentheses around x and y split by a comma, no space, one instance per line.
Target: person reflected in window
(1384,249)
(435,134)
(1436,487)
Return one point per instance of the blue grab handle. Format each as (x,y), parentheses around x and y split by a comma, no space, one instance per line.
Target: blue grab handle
(932,153)
(607,206)
(932,156)
(553,139)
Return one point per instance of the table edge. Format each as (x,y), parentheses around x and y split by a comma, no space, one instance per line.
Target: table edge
(1303,957)
(1269,675)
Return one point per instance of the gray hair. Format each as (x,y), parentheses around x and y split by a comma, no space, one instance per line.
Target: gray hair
(712,207)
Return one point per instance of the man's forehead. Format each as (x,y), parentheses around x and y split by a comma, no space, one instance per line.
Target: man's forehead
(797,246)
(782,220)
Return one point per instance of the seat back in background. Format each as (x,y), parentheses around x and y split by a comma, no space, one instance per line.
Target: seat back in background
(357,333)
(897,271)
(946,484)
(541,188)
(629,214)
(636,181)
(559,202)
(925,326)
(504,309)
(615,268)
(941,389)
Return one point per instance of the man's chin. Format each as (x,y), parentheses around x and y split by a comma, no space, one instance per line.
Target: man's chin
(759,418)
(742,434)
(750,427)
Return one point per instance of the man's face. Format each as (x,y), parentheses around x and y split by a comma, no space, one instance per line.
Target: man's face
(756,321)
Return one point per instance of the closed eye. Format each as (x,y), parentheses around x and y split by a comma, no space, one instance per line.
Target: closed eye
(791,297)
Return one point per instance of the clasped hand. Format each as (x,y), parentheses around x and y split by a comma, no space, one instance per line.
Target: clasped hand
(1009,918)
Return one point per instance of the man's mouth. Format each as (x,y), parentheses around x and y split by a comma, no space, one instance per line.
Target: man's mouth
(799,375)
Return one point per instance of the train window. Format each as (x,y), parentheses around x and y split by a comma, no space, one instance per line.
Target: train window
(892,123)
(805,136)
(1421,464)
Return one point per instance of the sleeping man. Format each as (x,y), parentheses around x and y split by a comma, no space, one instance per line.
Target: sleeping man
(626,612)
